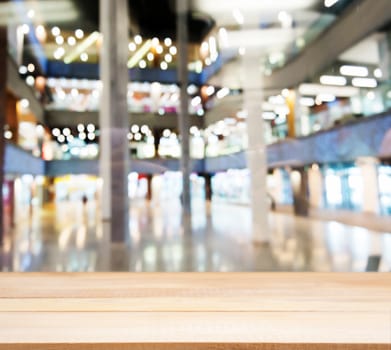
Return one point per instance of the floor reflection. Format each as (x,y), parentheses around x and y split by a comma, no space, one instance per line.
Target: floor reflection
(68,236)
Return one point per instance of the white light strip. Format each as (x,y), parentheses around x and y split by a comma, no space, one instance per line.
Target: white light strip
(330,3)
(140,53)
(238,16)
(268,115)
(307,101)
(325,97)
(354,71)
(364,82)
(333,80)
(222,93)
(339,91)
(82,47)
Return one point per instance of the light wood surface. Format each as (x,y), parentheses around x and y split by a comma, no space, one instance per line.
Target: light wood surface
(117,311)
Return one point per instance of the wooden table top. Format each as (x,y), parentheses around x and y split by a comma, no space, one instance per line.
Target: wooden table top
(118,311)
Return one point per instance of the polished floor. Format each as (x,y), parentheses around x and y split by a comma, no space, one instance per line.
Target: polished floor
(68,236)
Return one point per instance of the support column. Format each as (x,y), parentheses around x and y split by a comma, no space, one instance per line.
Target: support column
(3,87)
(299,181)
(291,117)
(370,196)
(114,153)
(315,186)
(182,7)
(256,152)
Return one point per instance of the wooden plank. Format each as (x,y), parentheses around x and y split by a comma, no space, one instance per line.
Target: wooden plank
(276,311)
(226,327)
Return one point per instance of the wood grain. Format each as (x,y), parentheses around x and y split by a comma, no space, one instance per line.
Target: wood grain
(276,311)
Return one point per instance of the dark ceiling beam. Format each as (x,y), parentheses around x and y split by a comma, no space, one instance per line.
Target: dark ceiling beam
(360,19)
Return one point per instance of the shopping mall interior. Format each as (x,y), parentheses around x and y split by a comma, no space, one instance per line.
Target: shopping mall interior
(255,138)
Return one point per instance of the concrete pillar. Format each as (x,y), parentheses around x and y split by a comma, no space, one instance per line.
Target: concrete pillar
(3,88)
(278,188)
(182,7)
(208,186)
(149,187)
(256,152)
(315,186)
(384,49)
(114,153)
(368,167)
(299,182)
(291,117)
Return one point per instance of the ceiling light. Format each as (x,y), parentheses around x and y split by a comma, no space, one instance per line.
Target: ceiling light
(80,127)
(364,82)
(56,132)
(59,53)
(90,127)
(285,18)
(378,73)
(66,131)
(276,100)
(163,65)
(196,101)
(222,93)
(268,115)
(30,14)
(159,49)
(132,47)
(167,42)
(192,89)
(30,80)
(139,54)
(173,50)
(23,70)
(285,92)
(155,42)
(31,68)
(210,90)
(56,31)
(138,39)
(330,3)
(354,71)
(333,80)
(71,41)
(8,134)
(307,101)
(91,136)
(325,97)
(40,32)
(25,29)
(84,57)
(79,34)
(59,40)
(82,136)
(316,89)
(24,102)
(142,64)
(150,56)
(74,92)
(61,138)
(82,47)
(238,16)
(281,110)
(168,57)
